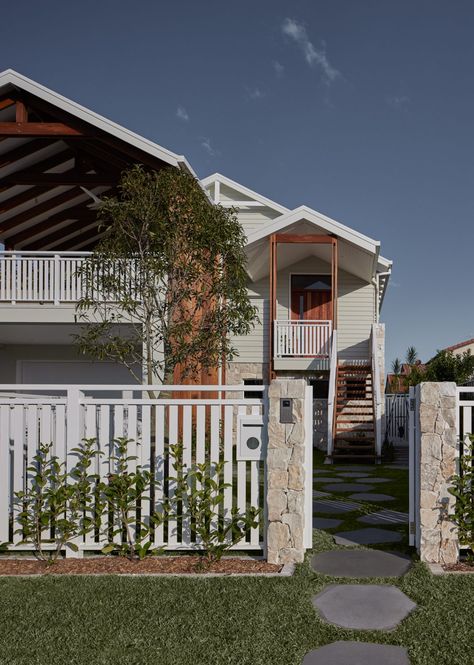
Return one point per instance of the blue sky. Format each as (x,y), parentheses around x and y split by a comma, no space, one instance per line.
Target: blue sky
(362,110)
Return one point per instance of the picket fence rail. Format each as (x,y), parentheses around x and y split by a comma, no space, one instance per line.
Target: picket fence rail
(206,426)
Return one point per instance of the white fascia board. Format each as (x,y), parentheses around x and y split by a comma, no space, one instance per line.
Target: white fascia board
(384,264)
(10,77)
(218,177)
(316,218)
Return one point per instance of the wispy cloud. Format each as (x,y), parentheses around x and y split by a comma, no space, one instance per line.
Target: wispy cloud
(255,93)
(278,68)
(313,56)
(207,145)
(398,101)
(182,114)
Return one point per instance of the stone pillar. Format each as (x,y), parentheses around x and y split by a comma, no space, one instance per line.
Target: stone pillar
(286,474)
(438,462)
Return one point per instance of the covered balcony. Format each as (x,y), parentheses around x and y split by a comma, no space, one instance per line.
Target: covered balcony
(41,277)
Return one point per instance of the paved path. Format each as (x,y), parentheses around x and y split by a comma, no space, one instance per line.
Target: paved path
(359,606)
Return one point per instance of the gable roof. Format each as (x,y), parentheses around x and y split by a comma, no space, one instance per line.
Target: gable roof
(12,79)
(248,195)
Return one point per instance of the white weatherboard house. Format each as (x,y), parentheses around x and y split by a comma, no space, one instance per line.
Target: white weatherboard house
(318,285)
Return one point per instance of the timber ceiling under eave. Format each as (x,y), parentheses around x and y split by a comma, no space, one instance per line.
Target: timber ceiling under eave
(50,164)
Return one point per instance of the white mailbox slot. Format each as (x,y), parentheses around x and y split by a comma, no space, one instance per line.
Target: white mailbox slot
(250,437)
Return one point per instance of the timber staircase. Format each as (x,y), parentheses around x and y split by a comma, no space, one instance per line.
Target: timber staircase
(354,419)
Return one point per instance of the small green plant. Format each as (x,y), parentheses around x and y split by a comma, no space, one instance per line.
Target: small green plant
(52,509)
(463,490)
(124,494)
(198,494)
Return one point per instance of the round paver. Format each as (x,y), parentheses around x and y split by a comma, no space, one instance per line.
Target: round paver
(375,498)
(360,563)
(357,653)
(363,606)
(353,474)
(334,507)
(347,487)
(328,480)
(353,467)
(325,523)
(367,536)
(386,517)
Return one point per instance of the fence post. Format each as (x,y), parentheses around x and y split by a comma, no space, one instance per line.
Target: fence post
(438,453)
(74,434)
(286,474)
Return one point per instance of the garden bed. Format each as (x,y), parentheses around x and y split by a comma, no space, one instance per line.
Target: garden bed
(114,565)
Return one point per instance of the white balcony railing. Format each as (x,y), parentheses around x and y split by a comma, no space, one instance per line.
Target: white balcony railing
(41,277)
(307,339)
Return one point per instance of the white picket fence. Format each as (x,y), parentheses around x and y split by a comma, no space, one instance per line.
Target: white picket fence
(206,426)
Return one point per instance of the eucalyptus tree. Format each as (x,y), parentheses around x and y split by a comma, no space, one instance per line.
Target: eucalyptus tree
(166,285)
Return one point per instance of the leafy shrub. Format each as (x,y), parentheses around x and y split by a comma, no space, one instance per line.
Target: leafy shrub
(199,493)
(52,508)
(463,491)
(124,495)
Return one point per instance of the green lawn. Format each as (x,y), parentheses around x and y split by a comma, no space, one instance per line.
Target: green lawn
(254,621)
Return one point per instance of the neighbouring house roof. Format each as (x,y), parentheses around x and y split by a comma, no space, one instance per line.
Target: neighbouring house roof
(395,383)
(460,345)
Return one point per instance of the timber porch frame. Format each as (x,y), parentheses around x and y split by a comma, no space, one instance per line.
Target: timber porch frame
(276,239)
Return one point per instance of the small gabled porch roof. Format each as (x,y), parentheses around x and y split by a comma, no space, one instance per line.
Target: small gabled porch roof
(358,254)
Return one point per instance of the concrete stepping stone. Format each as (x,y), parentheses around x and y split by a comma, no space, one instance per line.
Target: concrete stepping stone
(375,498)
(385,517)
(319,495)
(357,653)
(325,523)
(328,480)
(363,606)
(360,563)
(369,536)
(347,487)
(353,474)
(334,507)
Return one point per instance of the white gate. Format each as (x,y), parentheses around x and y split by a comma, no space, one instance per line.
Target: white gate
(414,466)
(206,427)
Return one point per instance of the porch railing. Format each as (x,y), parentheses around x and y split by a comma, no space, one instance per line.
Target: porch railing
(302,339)
(41,277)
